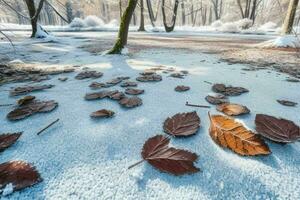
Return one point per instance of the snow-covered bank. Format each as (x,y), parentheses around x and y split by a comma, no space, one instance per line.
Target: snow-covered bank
(88,159)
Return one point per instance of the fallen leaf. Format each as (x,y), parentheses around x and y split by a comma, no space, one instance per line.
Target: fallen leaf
(287,103)
(182,124)
(148,73)
(216,99)
(123,78)
(63,79)
(177,75)
(96,85)
(113,82)
(6,140)
(277,129)
(228,133)
(31,108)
(102,113)
(233,109)
(182,88)
(229,91)
(18,173)
(25,100)
(157,152)
(27,89)
(117,95)
(292,80)
(130,102)
(132,91)
(149,78)
(88,74)
(99,95)
(129,84)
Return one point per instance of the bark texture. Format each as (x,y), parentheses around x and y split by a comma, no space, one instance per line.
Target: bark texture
(290,17)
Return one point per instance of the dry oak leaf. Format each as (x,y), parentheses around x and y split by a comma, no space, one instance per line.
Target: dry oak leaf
(25,100)
(113,82)
(149,78)
(182,124)
(31,108)
(117,95)
(232,109)
(177,75)
(6,140)
(228,133)
(276,129)
(96,85)
(182,88)
(102,114)
(130,102)
(216,99)
(129,84)
(287,103)
(99,95)
(18,173)
(168,159)
(27,89)
(228,90)
(88,74)
(132,91)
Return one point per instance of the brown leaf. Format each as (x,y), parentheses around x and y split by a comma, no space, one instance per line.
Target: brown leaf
(233,109)
(228,133)
(117,95)
(149,78)
(99,95)
(129,84)
(6,140)
(276,129)
(130,102)
(177,75)
(216,99)
(25,100)
(31,108)
(168,159)
(88,74)
(96,85)
(102,113)
(229,91)
(182,88)
(287,103)
(113,82)
(148,73)
(132,91)
(27,89)
(182,124)
(18,173)
(63,79)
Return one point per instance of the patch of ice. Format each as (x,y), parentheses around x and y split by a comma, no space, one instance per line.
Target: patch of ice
(9,188)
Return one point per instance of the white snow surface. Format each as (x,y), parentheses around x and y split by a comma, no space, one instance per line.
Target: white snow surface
(81,158)
(285,41)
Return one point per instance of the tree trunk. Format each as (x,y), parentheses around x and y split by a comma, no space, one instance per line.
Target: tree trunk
(182,13)
(173,22)
(32,11)
(124,27)
(142,20)
(290,17)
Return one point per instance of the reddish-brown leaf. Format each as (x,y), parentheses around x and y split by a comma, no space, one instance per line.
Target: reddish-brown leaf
(130,102)
(233,109)
(177,75)
(6,140)
(96,85)
(149,78)
(276,129)
(99,95)
(132,91)
(113,82)
(182,88)
(88,74)
(18,173)
(168,159)
(182,124)
(25,100)
(228,90)
(129,84)
(102,113)
(216,99)
(27,89)
(228,133)
(117,95)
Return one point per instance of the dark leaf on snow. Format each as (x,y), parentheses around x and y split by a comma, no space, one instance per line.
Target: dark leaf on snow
(18,173)
(27,89)
(88,74)
(96,85)
(117,95)
(182,124)
(229,90)
(25,100)
(99,95)
(276,129)
(113,82)
(63,79)
(177,75)
(182,88)
(233,109)
(287,103)
(149,78)
(130,102)
(6,140)
(129,84)
(102,114)
(216,99)
(132,91)
(156,152)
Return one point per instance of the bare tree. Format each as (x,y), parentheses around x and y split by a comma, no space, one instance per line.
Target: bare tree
(248,8)
(218,8)
(142,19)
(34,14)
(290,17)
(124,27)
(171,27)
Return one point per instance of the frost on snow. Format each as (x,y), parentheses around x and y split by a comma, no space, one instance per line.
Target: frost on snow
(285,41)
(9,188)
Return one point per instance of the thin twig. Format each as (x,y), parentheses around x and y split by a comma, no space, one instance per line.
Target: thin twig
(199,106)
(47,127)
(132,166)
(208,82)
(4,105)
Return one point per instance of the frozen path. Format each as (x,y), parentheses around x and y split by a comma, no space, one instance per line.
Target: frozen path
(81,158)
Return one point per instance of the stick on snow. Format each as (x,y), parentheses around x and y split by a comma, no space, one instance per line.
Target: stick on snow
(51,124)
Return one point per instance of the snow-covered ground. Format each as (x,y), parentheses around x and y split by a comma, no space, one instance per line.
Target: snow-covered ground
(80,158)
